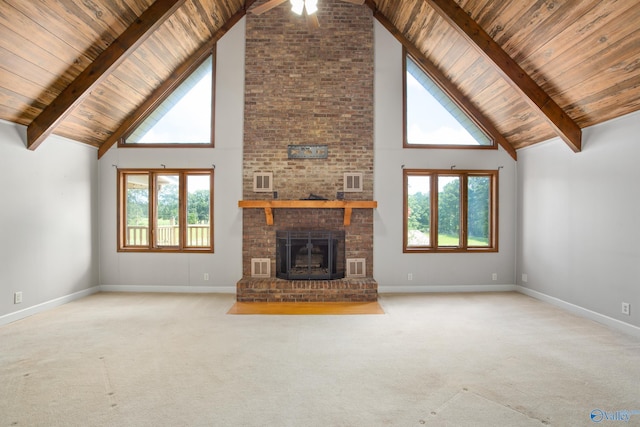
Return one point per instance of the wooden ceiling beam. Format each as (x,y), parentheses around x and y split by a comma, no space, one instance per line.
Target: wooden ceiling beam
(445,84)
(46,122)
(535,96)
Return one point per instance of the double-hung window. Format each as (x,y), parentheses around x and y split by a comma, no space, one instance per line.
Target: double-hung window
(165,210)
(450,210)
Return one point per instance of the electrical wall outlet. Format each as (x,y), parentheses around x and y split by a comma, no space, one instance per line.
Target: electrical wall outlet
(410,276)
(494,276)
(525,278)
(626,308)
(17,297)
(206,276)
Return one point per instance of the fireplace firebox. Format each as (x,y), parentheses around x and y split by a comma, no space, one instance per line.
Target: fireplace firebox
(310,254)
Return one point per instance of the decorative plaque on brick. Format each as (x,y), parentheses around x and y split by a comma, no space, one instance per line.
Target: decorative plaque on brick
(308,151)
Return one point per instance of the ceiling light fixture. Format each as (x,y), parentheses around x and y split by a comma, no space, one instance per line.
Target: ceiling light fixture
(312,6)
(297,6)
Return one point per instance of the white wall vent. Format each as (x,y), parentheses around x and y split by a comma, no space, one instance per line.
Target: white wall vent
(352,182)
(263,182)
(356,267)
(260,267)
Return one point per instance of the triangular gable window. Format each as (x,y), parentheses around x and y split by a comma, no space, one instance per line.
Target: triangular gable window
(184,117)
(433,119)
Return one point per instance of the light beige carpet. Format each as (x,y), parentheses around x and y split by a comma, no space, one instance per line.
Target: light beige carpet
(500,359)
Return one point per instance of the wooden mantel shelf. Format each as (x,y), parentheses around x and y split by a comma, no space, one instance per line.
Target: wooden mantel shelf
(347,205)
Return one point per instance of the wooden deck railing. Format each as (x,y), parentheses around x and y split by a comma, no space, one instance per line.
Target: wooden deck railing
(169,235)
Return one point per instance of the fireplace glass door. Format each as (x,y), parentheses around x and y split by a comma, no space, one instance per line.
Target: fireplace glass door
(310,255)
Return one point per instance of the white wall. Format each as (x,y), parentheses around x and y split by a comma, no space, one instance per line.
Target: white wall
(185,272)
(431,272)
(579,217)
(48,222)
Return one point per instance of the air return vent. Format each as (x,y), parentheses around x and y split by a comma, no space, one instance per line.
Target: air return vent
(260,267)
(356,267)
(263,182)
(352,182)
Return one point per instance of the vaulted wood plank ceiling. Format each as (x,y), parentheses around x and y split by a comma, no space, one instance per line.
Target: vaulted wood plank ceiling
(583,56)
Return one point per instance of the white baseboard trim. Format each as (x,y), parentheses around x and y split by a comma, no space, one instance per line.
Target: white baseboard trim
(582,312)
(170,289)
(48,305)
(443,288)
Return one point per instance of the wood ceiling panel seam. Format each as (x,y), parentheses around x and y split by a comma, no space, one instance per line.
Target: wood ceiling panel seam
(153,66)
(140,74)
(12,115)
(569,87)
(524,45)
(516,27)
(404,14)
(558,63)
(176,31)
(446,59)
(122,81)
(75,39)
(485,12)
(101,34)
(103,101)
(31,72)
(102,19)
(27,88)
(86,126)
(121,91)
(228,8)
(91,49)
(189,31)
(94,117)
(610,113)
(573,32)
(19,102)
(163,50)
(492,89)
(417,26)
(451,41)
(134,7)
(472,72)
(431,36)
(456,69)
(17,34)
(199,18)
(25,48)
(485,78)
(605,99)
(526,137)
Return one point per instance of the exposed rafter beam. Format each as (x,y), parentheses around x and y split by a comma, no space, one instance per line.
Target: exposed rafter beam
(445,84)
(173,81)
(535,96)
(43,125)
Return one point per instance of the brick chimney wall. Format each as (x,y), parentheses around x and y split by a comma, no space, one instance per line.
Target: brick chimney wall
(308,87)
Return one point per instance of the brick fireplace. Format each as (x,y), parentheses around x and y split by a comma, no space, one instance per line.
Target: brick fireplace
(308,87)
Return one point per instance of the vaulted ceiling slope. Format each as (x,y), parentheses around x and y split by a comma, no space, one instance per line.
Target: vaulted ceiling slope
(534,69)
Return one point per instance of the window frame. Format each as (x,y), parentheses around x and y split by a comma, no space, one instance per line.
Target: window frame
(182,206)
(164,92)
(460,101)
(463,247)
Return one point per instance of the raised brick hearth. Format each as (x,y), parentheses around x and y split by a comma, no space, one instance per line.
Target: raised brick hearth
(279,290)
